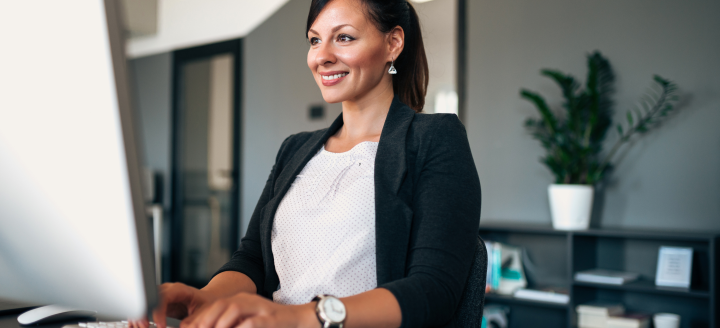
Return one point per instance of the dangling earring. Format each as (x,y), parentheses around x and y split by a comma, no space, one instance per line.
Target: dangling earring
(392,69)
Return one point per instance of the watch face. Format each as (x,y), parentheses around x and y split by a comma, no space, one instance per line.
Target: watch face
(334,309)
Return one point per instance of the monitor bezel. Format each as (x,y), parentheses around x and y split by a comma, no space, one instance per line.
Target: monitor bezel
(133,153)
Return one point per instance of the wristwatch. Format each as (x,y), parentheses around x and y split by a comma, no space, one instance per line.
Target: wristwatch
(330,311)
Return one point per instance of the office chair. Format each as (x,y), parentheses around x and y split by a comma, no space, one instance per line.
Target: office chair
(470,310)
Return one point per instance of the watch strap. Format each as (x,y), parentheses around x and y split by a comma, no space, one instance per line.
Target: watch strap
(323,322)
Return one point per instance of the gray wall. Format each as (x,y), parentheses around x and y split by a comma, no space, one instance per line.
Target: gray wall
(152,93)
(278,88)
(153,98)
(671,177)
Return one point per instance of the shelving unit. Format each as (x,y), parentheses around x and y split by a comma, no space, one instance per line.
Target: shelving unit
(558,255)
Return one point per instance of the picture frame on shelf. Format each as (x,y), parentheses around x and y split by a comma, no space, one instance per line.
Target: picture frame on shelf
(674,268)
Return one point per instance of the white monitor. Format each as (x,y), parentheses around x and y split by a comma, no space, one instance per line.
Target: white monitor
(72,224)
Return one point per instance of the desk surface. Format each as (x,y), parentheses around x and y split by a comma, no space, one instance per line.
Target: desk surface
(8,319)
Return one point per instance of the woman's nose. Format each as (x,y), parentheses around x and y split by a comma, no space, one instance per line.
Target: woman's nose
(325,54)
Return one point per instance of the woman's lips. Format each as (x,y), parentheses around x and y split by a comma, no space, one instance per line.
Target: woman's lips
(333,78)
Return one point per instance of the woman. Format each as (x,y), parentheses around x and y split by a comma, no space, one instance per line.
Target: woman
(381,209)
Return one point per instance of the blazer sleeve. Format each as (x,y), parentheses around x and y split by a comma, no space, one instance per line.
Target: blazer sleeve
(443,239)
(248,258)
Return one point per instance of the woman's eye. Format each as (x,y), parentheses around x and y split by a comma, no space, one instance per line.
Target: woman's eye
(345,38)
(314,41)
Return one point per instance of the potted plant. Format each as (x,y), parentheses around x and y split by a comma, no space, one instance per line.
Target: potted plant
(573,137)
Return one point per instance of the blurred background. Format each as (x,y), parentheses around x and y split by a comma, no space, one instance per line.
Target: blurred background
(220,84)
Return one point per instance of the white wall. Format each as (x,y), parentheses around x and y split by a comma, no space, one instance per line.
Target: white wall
(187,23)
(438,24)
(671,178)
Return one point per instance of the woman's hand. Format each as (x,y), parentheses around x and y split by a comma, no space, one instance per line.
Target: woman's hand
(245,310)
(177,300)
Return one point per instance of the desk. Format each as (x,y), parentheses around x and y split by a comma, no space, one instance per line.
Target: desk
(9,320)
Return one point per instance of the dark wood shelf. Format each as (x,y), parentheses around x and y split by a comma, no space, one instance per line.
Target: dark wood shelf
(512,300)
(495,226)
(558,254)
(670,235)
(644,286)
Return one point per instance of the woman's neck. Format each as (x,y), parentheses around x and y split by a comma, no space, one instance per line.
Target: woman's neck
(364,118)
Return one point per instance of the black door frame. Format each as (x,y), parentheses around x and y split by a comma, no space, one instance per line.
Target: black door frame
(180,58)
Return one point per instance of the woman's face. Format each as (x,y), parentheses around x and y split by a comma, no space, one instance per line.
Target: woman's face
(348,55)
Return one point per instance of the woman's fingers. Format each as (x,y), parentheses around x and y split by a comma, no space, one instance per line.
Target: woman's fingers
(256,322)
(226,313)
(233,315)
(159,316)
(206,316)
(175,298)
(142,323)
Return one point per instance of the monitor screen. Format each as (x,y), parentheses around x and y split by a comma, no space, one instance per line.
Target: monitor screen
(71,212)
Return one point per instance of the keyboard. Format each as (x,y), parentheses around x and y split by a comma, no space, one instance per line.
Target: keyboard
(105,324)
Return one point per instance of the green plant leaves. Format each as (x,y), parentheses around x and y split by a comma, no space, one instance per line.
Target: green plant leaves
(656,106)
(539,101)
(573,142)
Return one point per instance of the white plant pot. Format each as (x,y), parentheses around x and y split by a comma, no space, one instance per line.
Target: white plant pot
(571,206)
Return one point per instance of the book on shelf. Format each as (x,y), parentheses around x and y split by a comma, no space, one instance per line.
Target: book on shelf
(609,277)
(550,295)
(505,271)
(494,264)
(632,320)
(601,308)
(596,314)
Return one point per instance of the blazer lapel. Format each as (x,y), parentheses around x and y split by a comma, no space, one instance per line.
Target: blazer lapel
(302,157)
(392,216)
(390,166)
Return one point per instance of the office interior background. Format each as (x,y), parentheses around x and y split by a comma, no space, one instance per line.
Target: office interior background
(219,85)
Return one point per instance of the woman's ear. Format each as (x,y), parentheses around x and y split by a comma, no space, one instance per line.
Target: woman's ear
(396,42)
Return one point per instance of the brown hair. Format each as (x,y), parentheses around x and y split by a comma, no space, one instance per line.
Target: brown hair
(410,82)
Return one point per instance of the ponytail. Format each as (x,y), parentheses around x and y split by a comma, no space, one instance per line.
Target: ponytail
(411,81)
(411,86)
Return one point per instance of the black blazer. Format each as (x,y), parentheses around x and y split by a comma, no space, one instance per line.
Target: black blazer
(427,206)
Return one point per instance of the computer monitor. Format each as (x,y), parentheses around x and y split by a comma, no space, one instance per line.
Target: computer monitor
(73,230)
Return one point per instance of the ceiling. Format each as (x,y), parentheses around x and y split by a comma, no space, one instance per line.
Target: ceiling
(157,26)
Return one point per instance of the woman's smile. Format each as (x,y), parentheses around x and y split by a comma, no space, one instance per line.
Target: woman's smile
(332,78)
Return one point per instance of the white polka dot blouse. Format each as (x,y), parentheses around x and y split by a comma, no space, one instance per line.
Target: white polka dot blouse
(323,235)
